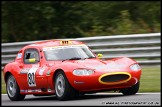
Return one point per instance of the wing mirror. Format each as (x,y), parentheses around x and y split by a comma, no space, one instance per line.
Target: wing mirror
(99,55)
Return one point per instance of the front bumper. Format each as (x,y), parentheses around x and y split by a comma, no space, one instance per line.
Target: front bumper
(104,81)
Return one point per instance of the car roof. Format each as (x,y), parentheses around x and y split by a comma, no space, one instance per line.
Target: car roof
(49,43)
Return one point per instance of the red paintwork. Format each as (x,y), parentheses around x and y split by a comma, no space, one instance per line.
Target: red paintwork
(91,82)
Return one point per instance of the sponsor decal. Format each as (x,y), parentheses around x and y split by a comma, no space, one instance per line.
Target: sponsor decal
(33,90)
(109,66)
(50,65)
(39,90)
(22,90)
(62,47)
(49,90)
(41,71)
(24,71)
(29,90)
(48,72)
(114,66)
(19,55)
(78,82)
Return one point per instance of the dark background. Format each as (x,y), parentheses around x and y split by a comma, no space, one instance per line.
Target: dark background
(41,20)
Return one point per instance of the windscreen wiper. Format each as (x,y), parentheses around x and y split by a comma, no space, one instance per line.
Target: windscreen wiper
(74,58)
(91,57)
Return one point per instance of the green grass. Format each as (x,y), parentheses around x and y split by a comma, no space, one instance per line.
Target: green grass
(150,80)
(3,85)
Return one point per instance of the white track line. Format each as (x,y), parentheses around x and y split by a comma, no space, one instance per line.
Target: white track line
(137,93)
(117,93)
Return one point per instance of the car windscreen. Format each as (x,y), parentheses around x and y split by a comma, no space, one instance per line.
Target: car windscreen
(67,52)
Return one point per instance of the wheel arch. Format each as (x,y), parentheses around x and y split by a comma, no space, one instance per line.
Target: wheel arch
(56,71)
(64,72)
(7,74)
(11,69)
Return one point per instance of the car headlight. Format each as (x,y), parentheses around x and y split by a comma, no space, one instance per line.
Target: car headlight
(83,72)
(135,67)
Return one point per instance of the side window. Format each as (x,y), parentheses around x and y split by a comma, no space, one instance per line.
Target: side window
(31,56)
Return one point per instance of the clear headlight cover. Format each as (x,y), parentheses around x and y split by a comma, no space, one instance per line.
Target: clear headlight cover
(135,67)
(83,72)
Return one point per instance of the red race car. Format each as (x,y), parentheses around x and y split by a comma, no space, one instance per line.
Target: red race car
(67,68)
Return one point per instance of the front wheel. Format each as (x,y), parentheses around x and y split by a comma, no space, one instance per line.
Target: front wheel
(63,89)
(13,89)
(131,90)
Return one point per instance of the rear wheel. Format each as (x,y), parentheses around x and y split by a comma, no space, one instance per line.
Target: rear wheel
(13,89)
(131,90)
(63,89)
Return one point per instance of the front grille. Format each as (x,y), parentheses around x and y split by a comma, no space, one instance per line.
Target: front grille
(115,78)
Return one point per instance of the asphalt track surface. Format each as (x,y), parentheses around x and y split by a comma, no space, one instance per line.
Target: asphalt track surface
(98,99)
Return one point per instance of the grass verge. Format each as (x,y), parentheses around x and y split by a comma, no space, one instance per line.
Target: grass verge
(150,79)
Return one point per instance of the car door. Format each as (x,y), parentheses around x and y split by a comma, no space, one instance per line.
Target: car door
(30,66)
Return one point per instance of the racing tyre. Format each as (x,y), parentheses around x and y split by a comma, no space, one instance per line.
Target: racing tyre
(63,89)
(13,89)
(131,90)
